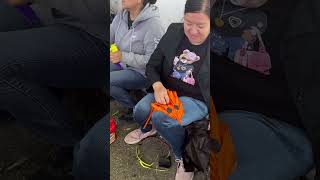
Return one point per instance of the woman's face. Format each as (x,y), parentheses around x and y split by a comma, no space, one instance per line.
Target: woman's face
(196,27)
(131,4)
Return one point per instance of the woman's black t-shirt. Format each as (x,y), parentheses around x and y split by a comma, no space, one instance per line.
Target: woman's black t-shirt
(185,69)
(245,76)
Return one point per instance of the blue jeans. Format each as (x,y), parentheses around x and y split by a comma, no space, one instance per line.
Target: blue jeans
(168,128)
(91,155)
(267,149)
(122,81)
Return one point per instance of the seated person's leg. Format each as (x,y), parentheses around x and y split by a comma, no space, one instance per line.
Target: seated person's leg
(174,133)
(115,67)
(121,82)
(91,155)
(171,130)
(26,75)
(140,114)
(266,148)
(142,110)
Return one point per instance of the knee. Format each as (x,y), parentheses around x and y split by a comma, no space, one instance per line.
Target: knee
(113,80)
(144,105)
(141,108)
(161,120)
(113,90)
(117,79)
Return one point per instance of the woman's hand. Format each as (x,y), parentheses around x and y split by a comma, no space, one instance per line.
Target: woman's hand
(160,93)
(115,57)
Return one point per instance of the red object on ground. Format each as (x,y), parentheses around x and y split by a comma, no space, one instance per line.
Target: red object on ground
(113,129)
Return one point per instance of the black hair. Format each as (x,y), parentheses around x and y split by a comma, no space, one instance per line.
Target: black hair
(145,2)
(194,6)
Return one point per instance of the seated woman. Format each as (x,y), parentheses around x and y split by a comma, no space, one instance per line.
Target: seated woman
(136,31)
(251,91)
(180,63)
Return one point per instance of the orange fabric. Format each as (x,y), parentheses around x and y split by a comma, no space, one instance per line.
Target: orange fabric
(174,109)
(224,162)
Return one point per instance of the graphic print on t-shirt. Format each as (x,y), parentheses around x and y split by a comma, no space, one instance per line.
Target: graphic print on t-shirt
(239,36)
(183,68)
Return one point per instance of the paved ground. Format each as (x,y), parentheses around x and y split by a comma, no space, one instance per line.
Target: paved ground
(124,164)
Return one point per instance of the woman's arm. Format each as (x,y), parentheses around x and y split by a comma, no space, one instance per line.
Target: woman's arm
(113,28)
(153,72)
(153,68)
(151,41)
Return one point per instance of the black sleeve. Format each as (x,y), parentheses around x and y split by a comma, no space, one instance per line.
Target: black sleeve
(153,68)
(302,67)
(301,60)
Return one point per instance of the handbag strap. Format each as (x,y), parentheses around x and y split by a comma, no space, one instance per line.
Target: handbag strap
(191,75)
(214,122)
(262,47)
(149,117)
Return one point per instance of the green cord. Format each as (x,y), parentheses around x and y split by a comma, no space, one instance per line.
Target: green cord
(146,165)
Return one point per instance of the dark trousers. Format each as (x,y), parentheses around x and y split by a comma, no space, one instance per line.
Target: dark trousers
(35,59)
(91,155)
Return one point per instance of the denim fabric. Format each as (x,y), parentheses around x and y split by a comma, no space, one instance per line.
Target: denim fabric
(168,128)
(122,81)
(267,148)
